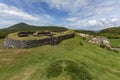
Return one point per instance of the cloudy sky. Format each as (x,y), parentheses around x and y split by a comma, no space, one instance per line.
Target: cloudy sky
(76,14)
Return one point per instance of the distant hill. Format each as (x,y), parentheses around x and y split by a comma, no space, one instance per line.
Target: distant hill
(20,26)
(26,27)
(86,32)
(113,32)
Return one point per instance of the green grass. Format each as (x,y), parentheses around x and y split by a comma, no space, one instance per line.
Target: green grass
(73,70)
(16,37)
(111,33)
(115,42)
(32,63)
(64,33)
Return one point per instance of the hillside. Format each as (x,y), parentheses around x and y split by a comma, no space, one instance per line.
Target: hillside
(26,27)
(67,61)
(86,32)
(113,32)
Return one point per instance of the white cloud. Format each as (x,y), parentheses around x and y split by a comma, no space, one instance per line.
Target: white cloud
(11,11)
(114,19)
(82,8)
(10,15)
(92,22)
(79,13)
(103,19)
(67,5)
(72,19)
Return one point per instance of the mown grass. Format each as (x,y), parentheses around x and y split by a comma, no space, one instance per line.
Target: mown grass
(115,42)
(32,63)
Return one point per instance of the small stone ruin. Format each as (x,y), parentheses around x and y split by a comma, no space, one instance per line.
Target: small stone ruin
(24,34)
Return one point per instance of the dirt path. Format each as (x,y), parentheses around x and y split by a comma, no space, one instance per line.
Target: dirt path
(116,48)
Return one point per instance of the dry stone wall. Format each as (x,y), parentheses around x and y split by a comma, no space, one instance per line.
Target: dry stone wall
(11,43)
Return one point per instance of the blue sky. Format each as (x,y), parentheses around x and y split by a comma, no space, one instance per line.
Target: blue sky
(75,14)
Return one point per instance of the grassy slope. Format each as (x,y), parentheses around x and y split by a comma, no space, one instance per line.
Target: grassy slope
(31,64)
(115,42)
(86,32)
(113,32)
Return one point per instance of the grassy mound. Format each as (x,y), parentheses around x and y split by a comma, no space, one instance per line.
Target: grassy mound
(71,68)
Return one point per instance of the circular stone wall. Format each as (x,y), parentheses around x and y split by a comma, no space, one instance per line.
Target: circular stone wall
(16,43)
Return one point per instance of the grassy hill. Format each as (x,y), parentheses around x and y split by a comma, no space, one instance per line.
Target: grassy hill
(113,32)
(67,61)
(25,27)
(86,32)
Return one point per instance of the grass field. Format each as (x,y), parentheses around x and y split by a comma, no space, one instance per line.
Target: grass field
(115,42)
(32,63)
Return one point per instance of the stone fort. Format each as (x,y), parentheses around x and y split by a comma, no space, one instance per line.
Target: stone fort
(33,39)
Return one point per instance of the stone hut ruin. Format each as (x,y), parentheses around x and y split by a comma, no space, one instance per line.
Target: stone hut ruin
(24,34)
(42,33)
